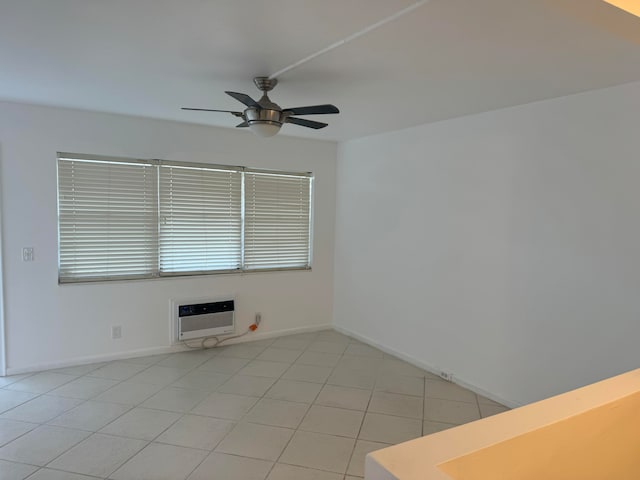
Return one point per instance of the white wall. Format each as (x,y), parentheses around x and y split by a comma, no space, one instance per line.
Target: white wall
(503,247)
(49,324)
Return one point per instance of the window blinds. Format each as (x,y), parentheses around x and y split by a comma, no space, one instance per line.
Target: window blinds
(107,219)
(200,219)
(277,220)
(124,219)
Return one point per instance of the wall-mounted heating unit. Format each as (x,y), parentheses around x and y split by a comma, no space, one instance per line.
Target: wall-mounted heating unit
(197,319)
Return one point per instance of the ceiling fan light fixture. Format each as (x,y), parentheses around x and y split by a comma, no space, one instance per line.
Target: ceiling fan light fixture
(631,6)
(263,122)
(264,129)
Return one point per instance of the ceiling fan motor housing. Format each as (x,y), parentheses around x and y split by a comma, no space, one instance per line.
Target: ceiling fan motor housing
(263,115)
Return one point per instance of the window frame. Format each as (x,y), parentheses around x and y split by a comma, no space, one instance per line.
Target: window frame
(157,164)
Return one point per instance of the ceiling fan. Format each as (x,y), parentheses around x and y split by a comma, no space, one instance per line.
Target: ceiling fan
(264,118)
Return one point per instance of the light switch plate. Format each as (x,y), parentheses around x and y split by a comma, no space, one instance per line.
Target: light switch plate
(27,254)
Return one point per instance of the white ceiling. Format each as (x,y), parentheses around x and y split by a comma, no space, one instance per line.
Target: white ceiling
(445,59)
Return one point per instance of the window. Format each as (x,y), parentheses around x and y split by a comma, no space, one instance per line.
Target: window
(276,232)
(200,219)
(106,219)
(126,219)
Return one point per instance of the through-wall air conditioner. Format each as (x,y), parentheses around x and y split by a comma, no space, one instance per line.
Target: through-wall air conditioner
(197,319)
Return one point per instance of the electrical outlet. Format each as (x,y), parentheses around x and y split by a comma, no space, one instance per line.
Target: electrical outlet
(447,376)
(27,254)
(116,332)
(258,318)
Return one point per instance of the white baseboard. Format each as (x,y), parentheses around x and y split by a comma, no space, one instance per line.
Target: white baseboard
(428,368)
(107,357)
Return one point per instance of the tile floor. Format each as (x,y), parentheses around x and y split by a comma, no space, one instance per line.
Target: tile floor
(301,407)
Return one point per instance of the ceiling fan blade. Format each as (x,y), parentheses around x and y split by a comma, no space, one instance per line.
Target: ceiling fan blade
(313,110)
(244,98)
(242,125)
(237,114)
(306,123)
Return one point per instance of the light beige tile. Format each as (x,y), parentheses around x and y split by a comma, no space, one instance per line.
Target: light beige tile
(158,375)
(196,431)
(490,410)
(41,409)
(432,376)
(161,462)
(255,441)
(175,399)
(356,465)
(90,415)
(12,429)
(128,393)
(226,365)
(41,445)
(327,347)
(15,471)
(84,387)
(278,413)
(367,365)
(394,366)
(352,378)
(319,451)
(308,373)
(395,404)
(344,397)
(275,354)
(294,391)
(41,382)
(292,343)
(201,380)
(118,370)
(363,351)
(146,360)
(448,391)
(230,467)
(264,368)
(186,360)
(333,421)
(429,427)
(10,399)
(389,429)
(99,455)
(318,359)
(401,385)
(449,411)
(264,343)
(141,423)
(50,474)
(247,385)
(246,351)
(79,369)
(488,401)
(290,472)
(9,379)
(332,336)
(222,405)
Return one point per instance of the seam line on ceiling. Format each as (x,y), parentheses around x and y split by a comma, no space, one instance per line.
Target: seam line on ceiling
(351,37)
